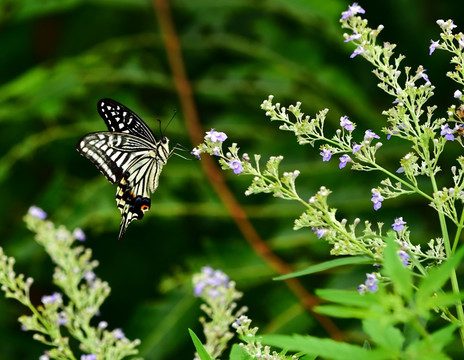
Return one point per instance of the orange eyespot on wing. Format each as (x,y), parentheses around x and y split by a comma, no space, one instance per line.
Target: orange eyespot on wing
(144,207)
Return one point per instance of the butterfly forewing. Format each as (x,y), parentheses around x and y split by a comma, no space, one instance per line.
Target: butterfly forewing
(113,153)
(119,118)
(128,155)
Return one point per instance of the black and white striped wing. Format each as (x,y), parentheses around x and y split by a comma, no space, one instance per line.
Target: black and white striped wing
(113,153)
(128,155)
(119,118)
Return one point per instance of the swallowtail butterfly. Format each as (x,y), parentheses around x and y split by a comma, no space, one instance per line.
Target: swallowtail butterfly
(129,155)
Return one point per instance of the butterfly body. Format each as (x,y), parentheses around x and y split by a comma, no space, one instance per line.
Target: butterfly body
(128,155)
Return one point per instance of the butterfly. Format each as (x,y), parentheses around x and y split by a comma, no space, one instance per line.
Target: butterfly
(129,155)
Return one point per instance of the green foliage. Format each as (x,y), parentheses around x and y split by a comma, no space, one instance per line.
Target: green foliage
(60,57)
(57,319)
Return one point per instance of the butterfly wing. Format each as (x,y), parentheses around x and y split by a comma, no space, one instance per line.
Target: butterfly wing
(133,193)
(119,118)
(113,153)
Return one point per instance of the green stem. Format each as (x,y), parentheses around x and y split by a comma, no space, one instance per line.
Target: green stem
(449,253)
(458,232)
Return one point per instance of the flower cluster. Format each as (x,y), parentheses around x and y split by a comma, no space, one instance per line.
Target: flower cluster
(210,283)
(219,294)
(75,306)
(213,145)
(254,348)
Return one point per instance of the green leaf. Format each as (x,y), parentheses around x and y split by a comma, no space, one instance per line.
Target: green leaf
(435,280)
(348,297)
(399,274)
(238,353)
(327,265)
(344,312)
(202,353)
(325,348)
(430,348)
(384,334)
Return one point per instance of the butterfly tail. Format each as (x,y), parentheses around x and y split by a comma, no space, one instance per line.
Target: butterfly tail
(123,226)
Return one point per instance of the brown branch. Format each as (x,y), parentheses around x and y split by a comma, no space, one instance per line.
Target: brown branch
(215,175)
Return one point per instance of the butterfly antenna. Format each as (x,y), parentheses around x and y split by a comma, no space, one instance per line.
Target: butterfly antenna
(159,125)
(172,117)
(181,148)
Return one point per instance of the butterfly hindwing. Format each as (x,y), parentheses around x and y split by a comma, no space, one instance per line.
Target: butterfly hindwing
(132,206)
(119,118)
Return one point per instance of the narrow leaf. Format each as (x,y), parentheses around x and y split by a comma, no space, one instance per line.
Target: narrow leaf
(325,348)
(347,297)
(344,311)
(327,265)
(202,353)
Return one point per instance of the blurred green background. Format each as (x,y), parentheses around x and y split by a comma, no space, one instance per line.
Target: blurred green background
(59,57)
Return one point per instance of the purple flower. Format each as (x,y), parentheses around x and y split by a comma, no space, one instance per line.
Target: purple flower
(369,135)
(347,124)
(50,299)
(198,288)
(196,152)
(235,165)
(37,212)
(356,148)
(344,160)
(433,46)
(398,225)
(461,42)
(377,199)
(352,11)
(447,132)
(319,232)
(423,75)
(89,357)
(90,276)
(62,318)
(371,284)
(79,234)
(118,334)
(447,25)
(355,36)
(211,282)
(216,136)
(357,51)
(326,154)
(404,256)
